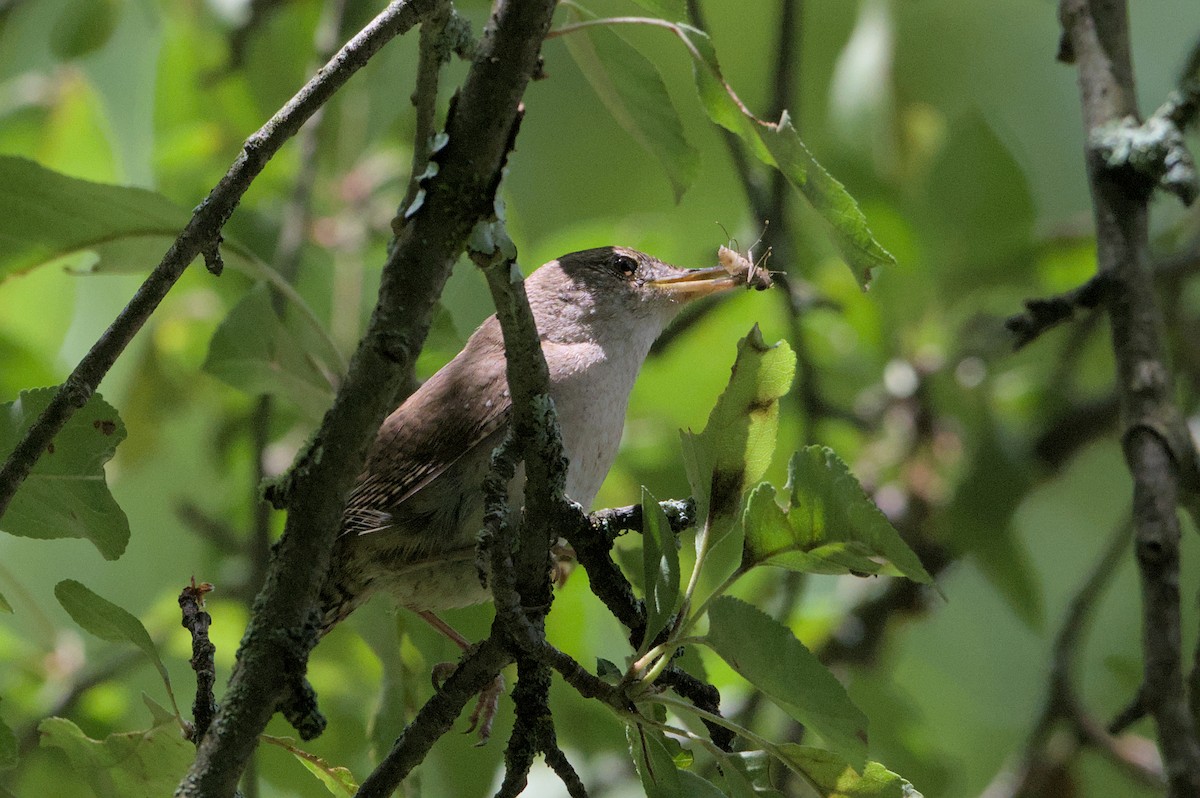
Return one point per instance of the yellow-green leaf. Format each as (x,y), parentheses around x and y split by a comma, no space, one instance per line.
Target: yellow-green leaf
(107,621)
(633,91)
(833,777)
(138,764)
(830,526)
(338,780)
(660,564)
(738,442)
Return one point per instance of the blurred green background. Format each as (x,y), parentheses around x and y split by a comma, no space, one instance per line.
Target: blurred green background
(949,121)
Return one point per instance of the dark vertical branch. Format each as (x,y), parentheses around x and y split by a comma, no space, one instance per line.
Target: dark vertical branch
(1096,38)
(282,629)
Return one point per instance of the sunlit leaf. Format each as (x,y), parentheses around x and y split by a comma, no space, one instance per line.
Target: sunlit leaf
(831,526)
(65,495)
(660,564)
(769,656)
(633,91)
(855,242)
(736,445)
(45,215)
(107,621)
(832,777)
(257,350)
(139,764)
(338,780)
(654,764)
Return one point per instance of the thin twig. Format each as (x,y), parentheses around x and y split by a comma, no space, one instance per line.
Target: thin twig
(196,620)
(476,670)
(200,235)
(1044,313)
(432,56)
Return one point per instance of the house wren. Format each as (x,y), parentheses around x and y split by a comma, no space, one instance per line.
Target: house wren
(411,521)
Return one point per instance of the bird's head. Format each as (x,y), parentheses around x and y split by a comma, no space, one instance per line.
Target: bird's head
(609,291)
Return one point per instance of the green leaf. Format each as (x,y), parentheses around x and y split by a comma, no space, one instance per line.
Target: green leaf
(257,350)
(45,216)
(139,764)
(107,621)
(830,527)
(981,211)
(779,145)
(660,563)
(83,26)
(694,786)
(768,655)
(665,9)
(828,197)
(338,780)
(8,747)
(654,764)
(4,605)
(833,777)
(747,774)
(158,712)
(738,442)
(633,91)
(979,520)
(65,495)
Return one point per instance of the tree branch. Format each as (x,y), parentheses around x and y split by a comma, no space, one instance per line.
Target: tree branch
(1097,38)
(201,236)
(197,620)
(1044,313)
(282,630)
(476,670)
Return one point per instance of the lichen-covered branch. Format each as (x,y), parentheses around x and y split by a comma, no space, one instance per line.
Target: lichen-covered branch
(197,620)
(281,631)
(1096,38)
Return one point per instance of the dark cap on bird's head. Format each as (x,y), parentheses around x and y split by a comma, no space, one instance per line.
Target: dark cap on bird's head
(618,287)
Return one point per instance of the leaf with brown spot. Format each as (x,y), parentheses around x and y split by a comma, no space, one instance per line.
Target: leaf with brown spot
(65,495)
(738,442)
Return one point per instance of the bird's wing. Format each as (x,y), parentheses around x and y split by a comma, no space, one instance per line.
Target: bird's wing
(411,449)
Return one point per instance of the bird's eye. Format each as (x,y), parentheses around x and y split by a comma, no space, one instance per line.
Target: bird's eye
(625,265)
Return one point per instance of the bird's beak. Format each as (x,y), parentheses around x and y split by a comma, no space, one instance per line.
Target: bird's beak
(697,282)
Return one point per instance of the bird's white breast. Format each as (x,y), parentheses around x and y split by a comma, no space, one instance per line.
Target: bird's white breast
(590,387)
